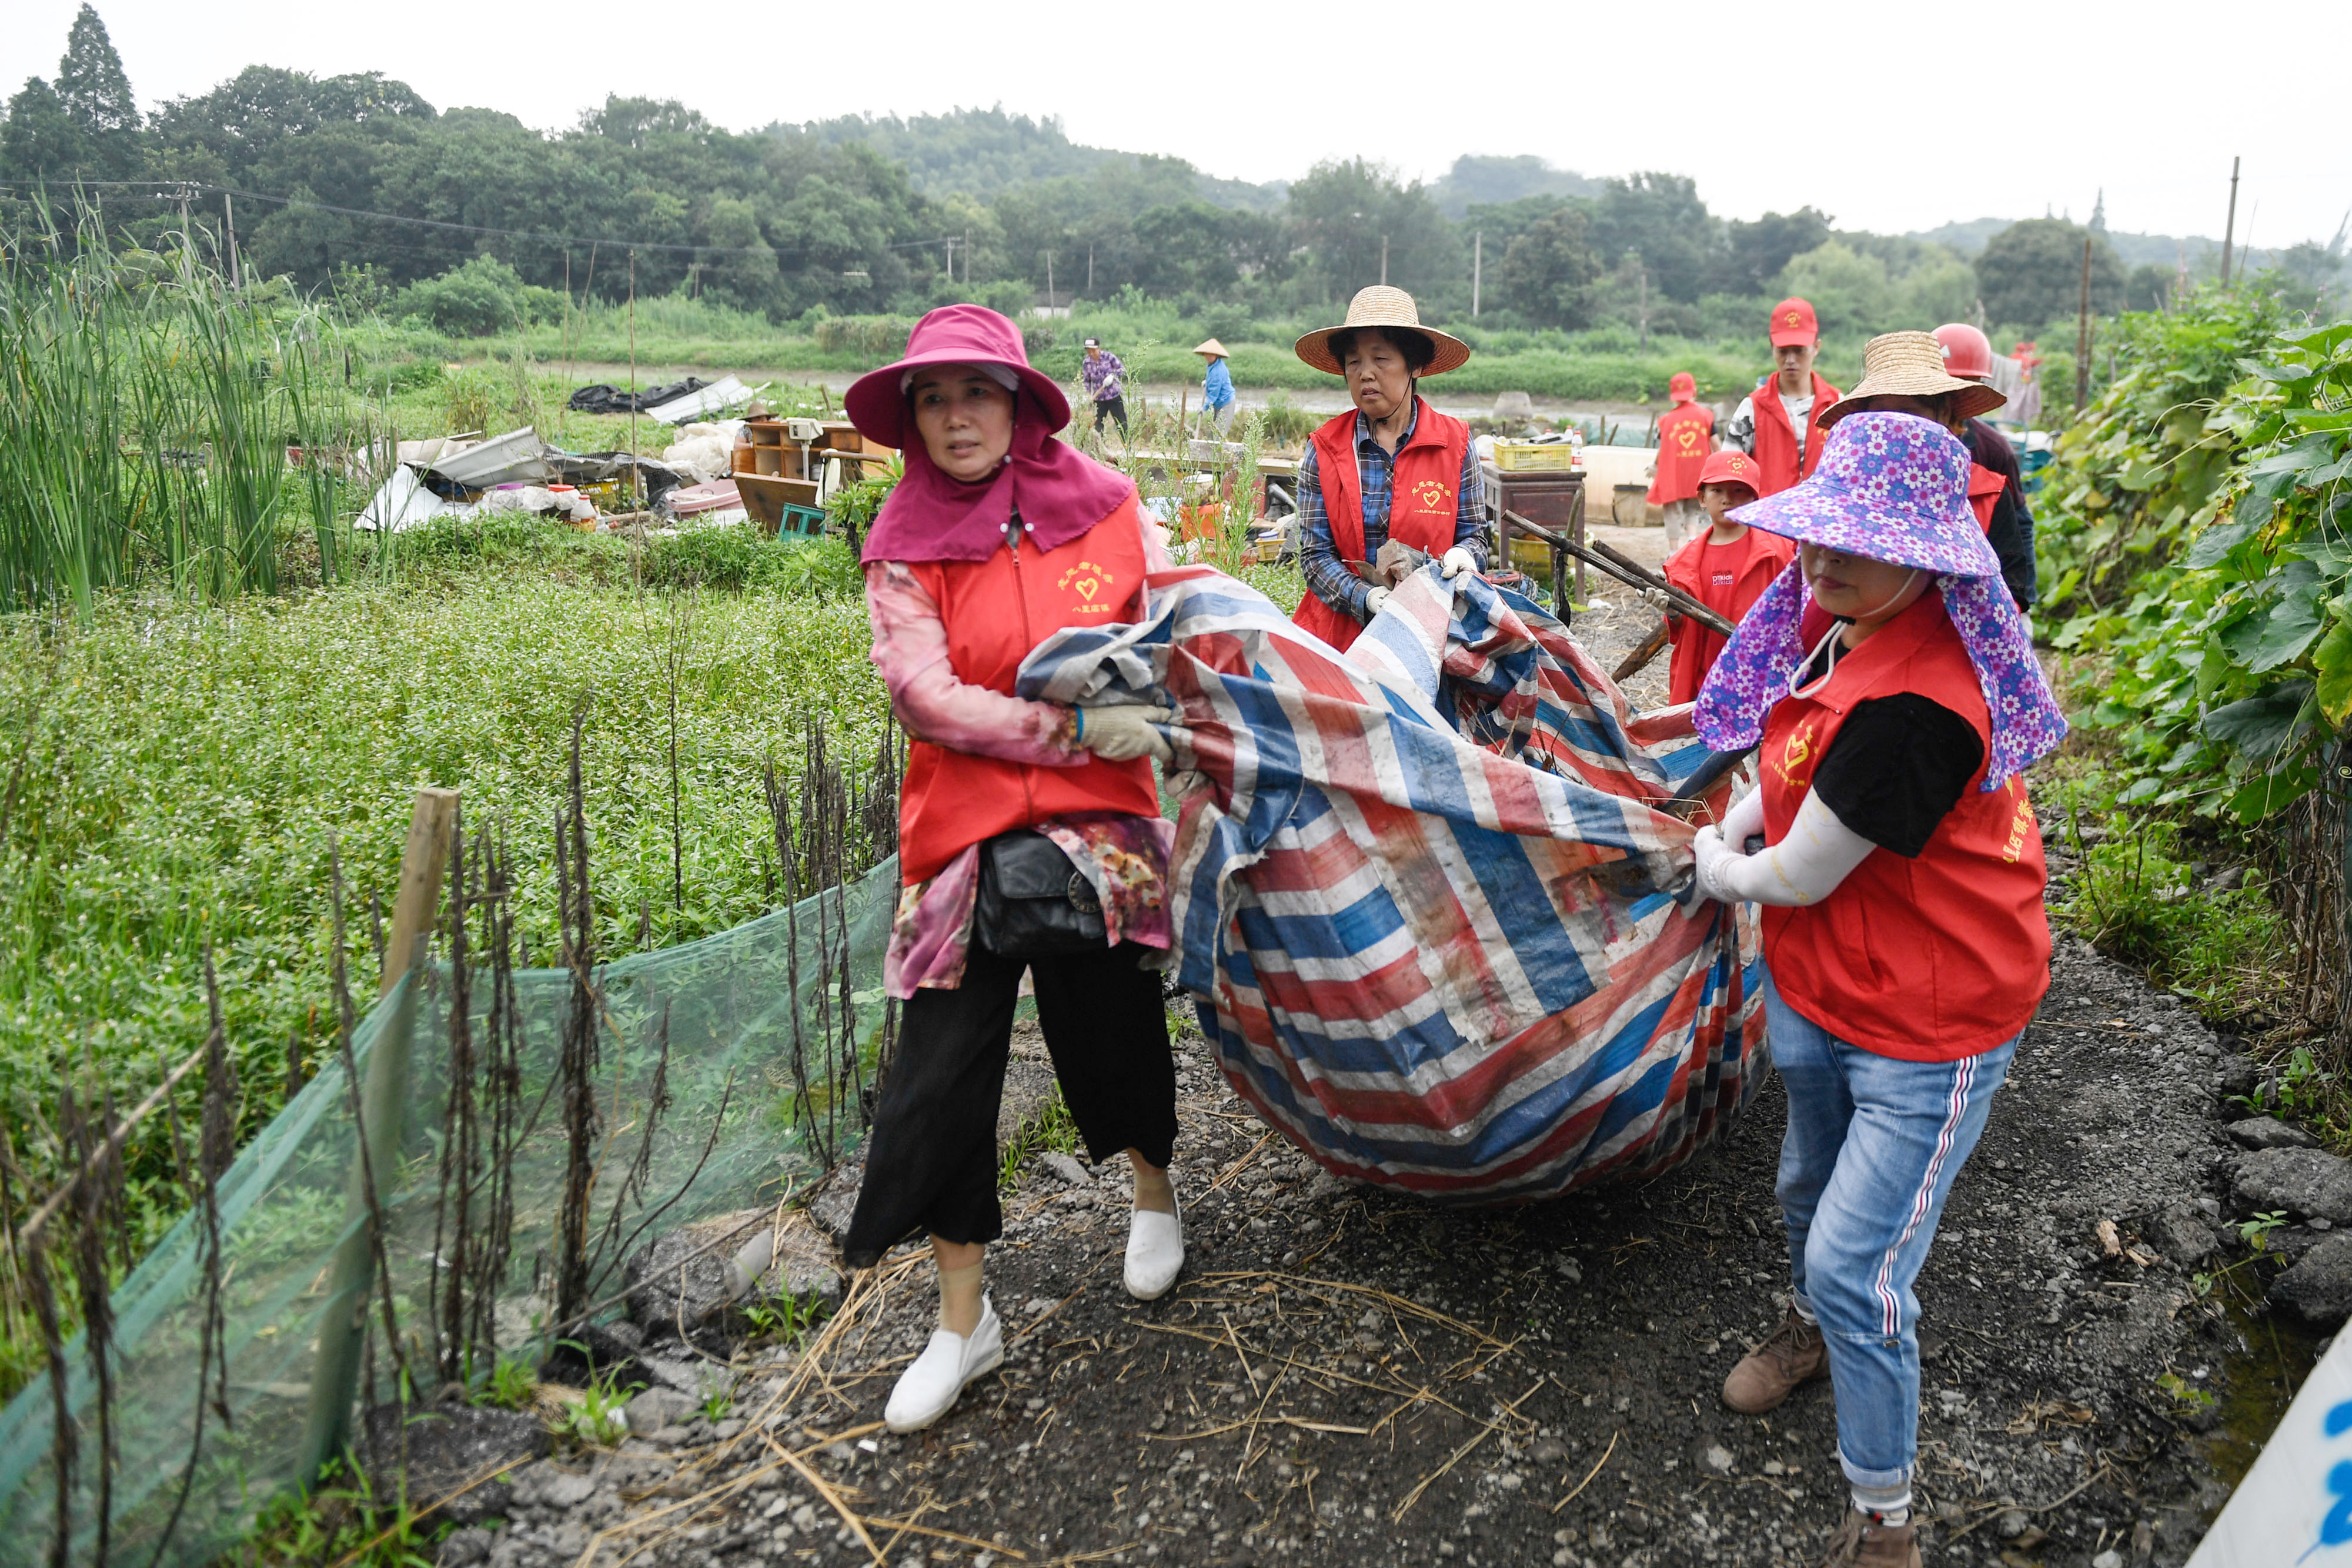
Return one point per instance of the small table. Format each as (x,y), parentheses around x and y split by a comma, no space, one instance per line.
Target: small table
(1551,496)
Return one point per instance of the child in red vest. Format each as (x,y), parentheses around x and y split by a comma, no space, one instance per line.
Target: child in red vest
(997,537)
(1726,569)
(1685,440)
(1897,700)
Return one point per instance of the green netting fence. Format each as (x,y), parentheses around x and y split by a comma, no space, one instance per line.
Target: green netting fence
(728,1074)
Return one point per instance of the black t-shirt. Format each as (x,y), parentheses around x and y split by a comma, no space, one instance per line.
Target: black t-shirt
(1897,766)
(2010,531)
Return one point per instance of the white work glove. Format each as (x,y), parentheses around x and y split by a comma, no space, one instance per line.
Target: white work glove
(1373,600)
(1124,733)
(1457,562)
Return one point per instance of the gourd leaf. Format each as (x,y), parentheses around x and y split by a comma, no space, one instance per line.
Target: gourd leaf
(2260,726)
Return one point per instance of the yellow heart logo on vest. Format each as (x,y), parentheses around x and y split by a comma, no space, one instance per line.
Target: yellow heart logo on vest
(1087,587)
(1433,493)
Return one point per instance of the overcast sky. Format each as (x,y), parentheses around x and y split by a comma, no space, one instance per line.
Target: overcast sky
(1888,117)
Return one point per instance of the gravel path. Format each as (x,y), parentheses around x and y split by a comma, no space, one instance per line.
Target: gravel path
(1347,1377)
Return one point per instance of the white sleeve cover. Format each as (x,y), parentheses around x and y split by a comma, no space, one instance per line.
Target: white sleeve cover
(1804,867)
(1745,820)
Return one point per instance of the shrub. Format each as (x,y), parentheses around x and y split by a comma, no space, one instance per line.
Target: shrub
(478,297)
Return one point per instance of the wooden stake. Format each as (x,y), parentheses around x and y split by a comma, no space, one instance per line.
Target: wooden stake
(2229,229)
(334,1372)
(2083,335)
(418,895)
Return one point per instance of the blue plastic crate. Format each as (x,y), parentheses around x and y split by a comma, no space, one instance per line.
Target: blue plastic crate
(801,522)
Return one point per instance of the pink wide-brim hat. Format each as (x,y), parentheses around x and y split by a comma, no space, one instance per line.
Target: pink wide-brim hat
(951,335)
(1890,487)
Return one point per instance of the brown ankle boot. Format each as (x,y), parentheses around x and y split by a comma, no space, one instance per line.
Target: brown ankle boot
(1861,1543)
(1771,1371)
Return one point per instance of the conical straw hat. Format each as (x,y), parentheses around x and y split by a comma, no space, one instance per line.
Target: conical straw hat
(1909,364)
(1214,349)
(1382,306)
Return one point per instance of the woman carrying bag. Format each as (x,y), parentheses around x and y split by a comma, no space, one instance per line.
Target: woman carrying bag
(1030,834)
(1897,701)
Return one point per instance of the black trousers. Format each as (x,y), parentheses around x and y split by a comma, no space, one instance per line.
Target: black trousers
(1111,407)
(930,1164)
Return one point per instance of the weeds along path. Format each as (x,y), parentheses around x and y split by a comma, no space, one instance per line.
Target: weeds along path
(179,773)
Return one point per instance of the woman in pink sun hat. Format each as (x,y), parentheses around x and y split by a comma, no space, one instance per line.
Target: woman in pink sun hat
(1029,833)
(1888,675)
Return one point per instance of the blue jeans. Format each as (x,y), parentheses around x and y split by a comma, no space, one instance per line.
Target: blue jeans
(1873,1146)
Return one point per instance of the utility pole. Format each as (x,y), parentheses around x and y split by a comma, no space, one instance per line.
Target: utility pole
(1477,259)
(2229,229)
(1090,270)
(967,258)
(1645,275)
(2083,335)
(951,261)
(229,211)
(1384,258)
(1049,280)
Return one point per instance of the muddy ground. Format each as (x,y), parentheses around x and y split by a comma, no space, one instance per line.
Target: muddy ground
(1347,1377)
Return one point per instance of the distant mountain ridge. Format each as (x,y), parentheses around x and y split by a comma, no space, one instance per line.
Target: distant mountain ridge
(982,152)
(2131,249)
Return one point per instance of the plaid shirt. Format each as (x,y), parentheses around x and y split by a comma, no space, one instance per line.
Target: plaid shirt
(1327,577)
(1102,375)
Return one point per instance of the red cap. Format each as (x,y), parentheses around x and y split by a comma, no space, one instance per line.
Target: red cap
(1683,387)
(1793,322)
(1967,353)
(1729,466)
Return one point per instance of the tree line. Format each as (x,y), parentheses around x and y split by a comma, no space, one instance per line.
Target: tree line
(356,180)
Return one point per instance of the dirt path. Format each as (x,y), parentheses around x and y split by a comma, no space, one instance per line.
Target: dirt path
(1347,1377)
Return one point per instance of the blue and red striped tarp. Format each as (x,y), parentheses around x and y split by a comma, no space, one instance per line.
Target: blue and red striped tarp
(1424,899)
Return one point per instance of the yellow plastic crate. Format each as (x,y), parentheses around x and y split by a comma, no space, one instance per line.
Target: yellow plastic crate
(1529,457)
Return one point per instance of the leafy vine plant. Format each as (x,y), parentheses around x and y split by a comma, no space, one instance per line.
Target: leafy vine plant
(2200,524)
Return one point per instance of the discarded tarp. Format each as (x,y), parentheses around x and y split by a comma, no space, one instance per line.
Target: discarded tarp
(1426,903)
(602,397)
(724,393)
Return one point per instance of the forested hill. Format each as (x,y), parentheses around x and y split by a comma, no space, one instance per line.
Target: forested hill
(464,216)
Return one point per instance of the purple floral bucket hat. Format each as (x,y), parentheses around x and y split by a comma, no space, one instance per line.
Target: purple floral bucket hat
(1890,487)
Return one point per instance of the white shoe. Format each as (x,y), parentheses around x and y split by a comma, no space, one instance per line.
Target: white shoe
(1155,1252)
(929,1389)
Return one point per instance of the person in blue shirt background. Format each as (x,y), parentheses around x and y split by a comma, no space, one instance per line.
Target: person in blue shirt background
(1217,393)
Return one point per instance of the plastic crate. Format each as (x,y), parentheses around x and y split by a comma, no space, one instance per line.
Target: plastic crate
(800,522)
(1535,456)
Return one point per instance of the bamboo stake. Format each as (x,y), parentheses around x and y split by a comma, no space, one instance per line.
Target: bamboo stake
(334,1372)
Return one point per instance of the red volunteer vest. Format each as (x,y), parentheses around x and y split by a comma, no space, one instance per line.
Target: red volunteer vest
(1423,502)
(1683,441)
(1930,959)
(1776,439)
(996,612)
(1984,491)
(1751,562)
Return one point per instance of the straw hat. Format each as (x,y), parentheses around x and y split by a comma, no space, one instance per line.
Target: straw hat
(1909,364)
(1382,306)
(1212,349)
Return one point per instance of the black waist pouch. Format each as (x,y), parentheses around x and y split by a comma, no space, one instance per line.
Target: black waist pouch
(1034,902)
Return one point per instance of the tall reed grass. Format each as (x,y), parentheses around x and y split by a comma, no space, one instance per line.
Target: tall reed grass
(161,429)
